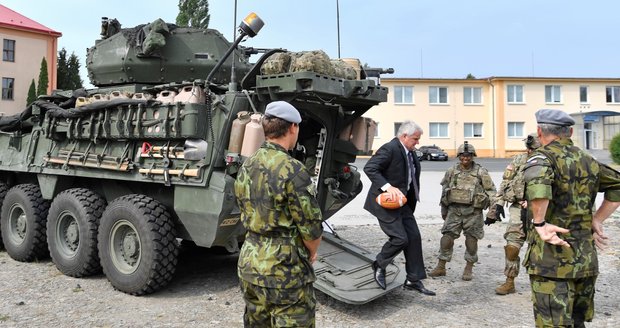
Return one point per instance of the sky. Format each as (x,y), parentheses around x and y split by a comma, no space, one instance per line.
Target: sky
(417,38)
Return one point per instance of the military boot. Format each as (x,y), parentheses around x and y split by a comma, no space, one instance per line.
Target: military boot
(506,288)
(439,270)
(467,274)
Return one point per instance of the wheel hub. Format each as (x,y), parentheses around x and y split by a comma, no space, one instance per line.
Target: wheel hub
(21,224)
(130,248)
(72,233)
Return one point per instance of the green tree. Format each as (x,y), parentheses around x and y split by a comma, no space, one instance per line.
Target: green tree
(74,79)
(62,69)
(470,77)
(193,13)
(32,93)
(43,79)
(68,71)
(614,148)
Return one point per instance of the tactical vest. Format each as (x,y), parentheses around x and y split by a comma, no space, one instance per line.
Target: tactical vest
(465,188)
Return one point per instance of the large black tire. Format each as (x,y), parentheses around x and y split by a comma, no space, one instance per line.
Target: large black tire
(428,157)
(24,212)
(137,244)
(3,190)
(72,225)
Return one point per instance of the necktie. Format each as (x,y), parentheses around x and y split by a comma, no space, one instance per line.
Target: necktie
(412,172)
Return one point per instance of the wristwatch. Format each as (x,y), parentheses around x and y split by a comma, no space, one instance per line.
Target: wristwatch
(539,224)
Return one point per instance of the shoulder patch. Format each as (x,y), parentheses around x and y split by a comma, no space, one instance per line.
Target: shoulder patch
(535,158)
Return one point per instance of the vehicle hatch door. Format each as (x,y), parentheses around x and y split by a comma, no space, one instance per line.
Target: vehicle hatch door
(344,271)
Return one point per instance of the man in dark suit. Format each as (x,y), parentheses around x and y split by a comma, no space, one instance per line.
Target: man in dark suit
(395,169)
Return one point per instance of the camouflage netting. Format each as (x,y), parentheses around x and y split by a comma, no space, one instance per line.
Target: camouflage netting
(136,35)
(156,37)
(307,61)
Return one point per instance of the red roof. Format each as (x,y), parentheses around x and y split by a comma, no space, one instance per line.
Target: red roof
(13,20)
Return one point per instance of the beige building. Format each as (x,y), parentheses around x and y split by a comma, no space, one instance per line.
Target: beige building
(495,114)
(24,44)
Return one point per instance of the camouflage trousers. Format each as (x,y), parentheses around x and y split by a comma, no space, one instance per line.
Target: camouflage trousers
(278,307)
(514,231)
(468,220)
(562,302)
(514,236)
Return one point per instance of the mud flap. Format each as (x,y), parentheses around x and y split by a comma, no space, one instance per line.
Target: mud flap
(344,272)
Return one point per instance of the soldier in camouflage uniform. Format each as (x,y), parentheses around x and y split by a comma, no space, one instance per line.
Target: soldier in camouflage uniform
(283,222)
(511,190)
(467,189)
(561,186)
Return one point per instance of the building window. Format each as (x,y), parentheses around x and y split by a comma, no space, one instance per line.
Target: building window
(472,130)
(396,127)
(438,95)
(7,88)
(438,130)
(583,94)
(403,95)
(515,94)
(553,94)
(8,50)
(515,129)
(472,95)
(376,129)
(613,95)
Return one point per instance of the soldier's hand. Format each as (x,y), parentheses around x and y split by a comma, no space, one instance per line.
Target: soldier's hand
(600,238)
(489,221)
(549,234)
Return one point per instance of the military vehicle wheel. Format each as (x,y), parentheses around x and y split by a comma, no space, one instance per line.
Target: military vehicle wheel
(72,225)
(3,190)
(137,244)
(24,212)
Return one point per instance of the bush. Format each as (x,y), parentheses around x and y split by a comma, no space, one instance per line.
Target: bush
(614,149)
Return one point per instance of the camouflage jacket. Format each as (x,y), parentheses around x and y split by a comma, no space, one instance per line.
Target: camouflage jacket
(570,179)
(512,187)
(473,187)
(278,209)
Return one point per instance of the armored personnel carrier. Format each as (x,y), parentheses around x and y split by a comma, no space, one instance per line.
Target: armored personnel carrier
(116,177)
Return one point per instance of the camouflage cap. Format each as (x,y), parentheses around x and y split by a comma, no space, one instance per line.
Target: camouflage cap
(554,116)
(283,110)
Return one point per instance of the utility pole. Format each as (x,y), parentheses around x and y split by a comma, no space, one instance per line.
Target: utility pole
(338,24)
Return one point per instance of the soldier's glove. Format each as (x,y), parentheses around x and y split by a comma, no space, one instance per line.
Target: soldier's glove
(489,221)
(499,210)
(494,214)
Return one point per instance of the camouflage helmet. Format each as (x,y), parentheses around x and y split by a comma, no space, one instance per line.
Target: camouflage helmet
(532,142)
(466,148)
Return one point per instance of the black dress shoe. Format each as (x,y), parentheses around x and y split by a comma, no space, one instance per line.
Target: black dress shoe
(379,274)
(417,285)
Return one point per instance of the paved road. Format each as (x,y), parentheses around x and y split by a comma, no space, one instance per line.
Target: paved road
(427,211)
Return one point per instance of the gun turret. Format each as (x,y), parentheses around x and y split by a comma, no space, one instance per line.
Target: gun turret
(374,73)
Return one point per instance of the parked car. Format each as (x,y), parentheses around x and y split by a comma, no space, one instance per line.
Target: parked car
(419,155)
(433,153)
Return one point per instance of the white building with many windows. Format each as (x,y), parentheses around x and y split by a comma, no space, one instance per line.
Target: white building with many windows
(495,114)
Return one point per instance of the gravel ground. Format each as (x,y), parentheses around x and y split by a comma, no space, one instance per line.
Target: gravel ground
(204,292)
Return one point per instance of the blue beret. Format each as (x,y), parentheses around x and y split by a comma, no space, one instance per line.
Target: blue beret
(283,110)
(554,116)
